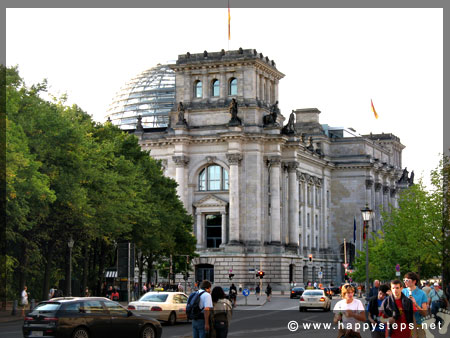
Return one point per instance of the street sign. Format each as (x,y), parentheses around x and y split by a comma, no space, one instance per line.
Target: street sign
(320,274)
(345,265)
(397,273)
(246,292)
(251,270)
(397,268)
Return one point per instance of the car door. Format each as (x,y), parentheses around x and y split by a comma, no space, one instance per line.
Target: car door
(180,302)
(96,317)
(123,323)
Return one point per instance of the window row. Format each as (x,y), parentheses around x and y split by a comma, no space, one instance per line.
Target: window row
(214,88)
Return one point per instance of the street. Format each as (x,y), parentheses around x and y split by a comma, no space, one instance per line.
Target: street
(269,320)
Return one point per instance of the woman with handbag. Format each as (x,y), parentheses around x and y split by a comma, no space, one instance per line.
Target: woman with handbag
(347,312)
(221,314)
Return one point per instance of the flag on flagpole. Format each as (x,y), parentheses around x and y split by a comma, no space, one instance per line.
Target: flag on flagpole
(354,231)
(373,108)
(229,19)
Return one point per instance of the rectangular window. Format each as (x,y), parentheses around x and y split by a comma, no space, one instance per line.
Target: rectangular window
(308,220)
(213,231)
(316,222)
(214,177)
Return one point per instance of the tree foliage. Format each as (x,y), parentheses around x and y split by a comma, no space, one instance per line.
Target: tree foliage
(411,236)
(68,176)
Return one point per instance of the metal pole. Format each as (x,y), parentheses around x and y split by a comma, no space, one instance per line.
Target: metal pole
(129,273)
(69,283)
(367,259)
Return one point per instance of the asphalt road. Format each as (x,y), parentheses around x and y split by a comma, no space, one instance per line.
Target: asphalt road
(270,320)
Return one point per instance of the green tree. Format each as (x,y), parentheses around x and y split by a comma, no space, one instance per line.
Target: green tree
(411,235)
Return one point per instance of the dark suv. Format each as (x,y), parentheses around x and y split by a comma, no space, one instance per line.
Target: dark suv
(296,292)
(87,317)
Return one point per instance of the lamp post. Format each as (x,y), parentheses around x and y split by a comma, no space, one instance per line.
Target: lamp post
(366,215)
(69,281)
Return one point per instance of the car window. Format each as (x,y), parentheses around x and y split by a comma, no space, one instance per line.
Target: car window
(183,299)
(115,308)
(72,307)
(92,306)
(312,293)
(47,307)
(154,297)
(298,289)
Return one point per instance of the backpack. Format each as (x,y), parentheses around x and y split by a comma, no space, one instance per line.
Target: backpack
(221,309)
(193,310)
(58,293)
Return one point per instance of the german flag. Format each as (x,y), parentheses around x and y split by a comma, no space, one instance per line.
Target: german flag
(373,109)
(229,19)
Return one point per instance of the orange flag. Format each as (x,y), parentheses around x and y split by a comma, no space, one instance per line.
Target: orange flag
(229,19)
(373,109)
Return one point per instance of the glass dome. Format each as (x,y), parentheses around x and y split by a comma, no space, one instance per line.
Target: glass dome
(151,95)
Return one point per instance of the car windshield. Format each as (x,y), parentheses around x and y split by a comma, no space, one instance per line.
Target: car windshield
(47,307)
(154,297)
(312,293)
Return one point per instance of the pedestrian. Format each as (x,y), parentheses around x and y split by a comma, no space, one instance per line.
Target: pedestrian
(51,293)
(419,299)
(398,309)
(233,294)
(348,312)
(109,292)
(268,292)
(222,311)
(315,285)
(427,288)
(447,290)
(180,287)
(257,292)
(24,299)
(374,312)
(201,326)
(437,300)
(115,295)
(374,290)
(87,293)
(144,289)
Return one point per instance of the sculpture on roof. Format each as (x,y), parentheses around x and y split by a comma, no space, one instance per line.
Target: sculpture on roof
(233,110)
(271,118)
(139,126)
(289,128)
(181,119)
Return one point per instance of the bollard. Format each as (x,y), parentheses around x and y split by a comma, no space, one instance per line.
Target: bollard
(14,308)
(32,304)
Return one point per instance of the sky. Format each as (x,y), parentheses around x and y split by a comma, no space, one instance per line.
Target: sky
(336,60)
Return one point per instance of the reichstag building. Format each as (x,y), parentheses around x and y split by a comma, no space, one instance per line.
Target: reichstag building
(266,191)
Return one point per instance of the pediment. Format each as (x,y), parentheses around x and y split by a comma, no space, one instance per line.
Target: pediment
(210,201)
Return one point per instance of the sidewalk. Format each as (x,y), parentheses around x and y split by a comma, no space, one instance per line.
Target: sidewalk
(6,317)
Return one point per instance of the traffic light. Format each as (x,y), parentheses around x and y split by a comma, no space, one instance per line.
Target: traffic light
(260,274)
(230,276)
(310,257)
(346,275)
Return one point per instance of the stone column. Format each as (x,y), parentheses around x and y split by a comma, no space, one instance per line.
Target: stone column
(223,85)
(181,162)
(224,228)
(188,91)
(205,86)
(386,190)
(258,86)
(199,231)
(293,204)
(275,209)
(275,90)
(234,214)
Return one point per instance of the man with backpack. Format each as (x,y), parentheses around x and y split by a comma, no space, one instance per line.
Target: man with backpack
(198,309)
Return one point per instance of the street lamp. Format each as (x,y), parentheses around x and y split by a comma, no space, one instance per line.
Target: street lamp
(367,216)
(69,281)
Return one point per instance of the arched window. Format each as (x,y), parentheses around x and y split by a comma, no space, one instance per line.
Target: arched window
(233,87)
(215,88)
(213,177)
(198,89)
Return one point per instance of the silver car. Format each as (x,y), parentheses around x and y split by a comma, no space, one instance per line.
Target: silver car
(314,299)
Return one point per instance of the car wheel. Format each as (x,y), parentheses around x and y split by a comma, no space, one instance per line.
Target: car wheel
(172,318)
(80,332)
(148,332)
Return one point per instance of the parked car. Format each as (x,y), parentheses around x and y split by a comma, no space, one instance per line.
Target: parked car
(87,317)
(164,306)
(314,299)
(296,292)
(328,292)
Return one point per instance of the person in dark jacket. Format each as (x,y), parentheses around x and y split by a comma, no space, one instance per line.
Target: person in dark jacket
(397,308)
(374,312)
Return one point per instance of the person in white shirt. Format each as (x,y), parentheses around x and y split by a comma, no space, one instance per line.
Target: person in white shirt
(348,311)
(24,299)
(200,326)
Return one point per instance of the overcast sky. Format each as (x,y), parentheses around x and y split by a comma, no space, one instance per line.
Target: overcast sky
(335,60)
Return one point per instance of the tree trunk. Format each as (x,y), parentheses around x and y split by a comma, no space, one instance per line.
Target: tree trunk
(48,269)
(85,266)
(67,271)
(101,266)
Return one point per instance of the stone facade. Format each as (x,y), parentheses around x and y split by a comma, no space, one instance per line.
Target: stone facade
(261,198)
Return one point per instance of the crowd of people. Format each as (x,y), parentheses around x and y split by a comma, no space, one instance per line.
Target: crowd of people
(397,309)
